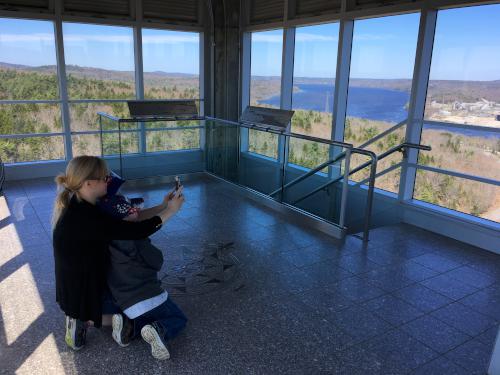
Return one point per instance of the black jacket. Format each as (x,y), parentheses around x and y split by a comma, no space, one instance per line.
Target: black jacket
(132,275)
(81,239)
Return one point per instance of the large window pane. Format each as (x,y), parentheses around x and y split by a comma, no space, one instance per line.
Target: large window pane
(265,84)
(464,84)
(30,118)
(90,144)
(466,196)
(171,61)
(99,61)
(31,149)
(308,154)
(315,64)
(27,60)
(383,55)
(170,140)
(84,115)
(265,80)
(263,143)
(462,150)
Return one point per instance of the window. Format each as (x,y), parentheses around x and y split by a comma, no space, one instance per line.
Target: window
(314,69)
(99,65)
(100,76)
(462,150)
(464,88)
(265,85)
(463,83)
(28,72)
(468,196)
(99,61)
(171,61)
(383,55)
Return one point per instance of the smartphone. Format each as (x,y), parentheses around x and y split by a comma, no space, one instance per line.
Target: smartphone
(177,183)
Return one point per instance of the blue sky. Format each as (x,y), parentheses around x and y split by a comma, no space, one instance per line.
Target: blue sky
(466,47)
(107,47)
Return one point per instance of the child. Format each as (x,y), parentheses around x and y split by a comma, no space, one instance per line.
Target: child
(134,284)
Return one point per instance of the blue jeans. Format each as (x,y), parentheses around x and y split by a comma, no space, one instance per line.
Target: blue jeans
(168,316)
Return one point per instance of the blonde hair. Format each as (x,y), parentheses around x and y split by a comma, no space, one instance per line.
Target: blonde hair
(79,170)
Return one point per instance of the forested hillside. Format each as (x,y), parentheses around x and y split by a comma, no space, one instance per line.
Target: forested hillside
(476,155)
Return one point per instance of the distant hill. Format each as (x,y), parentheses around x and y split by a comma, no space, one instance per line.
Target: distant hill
(443,91)
(96,73)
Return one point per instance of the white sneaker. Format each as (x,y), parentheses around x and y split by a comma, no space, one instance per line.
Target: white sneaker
(151,335)
(122,330)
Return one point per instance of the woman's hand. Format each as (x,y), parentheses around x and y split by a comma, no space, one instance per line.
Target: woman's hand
(177,200)
(174,205)
(168,198)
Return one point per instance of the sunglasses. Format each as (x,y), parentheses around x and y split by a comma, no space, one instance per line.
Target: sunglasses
(106,178)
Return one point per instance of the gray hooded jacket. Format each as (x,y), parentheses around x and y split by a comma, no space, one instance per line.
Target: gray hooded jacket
(132,275)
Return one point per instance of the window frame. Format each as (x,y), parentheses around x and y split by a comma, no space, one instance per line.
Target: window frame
(64,101)
(420,80)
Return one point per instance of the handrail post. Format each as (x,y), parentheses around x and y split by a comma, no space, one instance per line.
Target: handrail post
(369,198)
(100,128)
(345,187)
(120,148)
(283,163)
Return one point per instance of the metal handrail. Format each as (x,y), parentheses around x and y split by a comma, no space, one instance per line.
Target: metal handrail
(380,174)
(340,156)
(266,129)
(392,150)
(371,179)
(346,154)
(245,124)
(309,173)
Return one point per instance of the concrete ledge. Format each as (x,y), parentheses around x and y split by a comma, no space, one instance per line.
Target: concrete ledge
(464,228)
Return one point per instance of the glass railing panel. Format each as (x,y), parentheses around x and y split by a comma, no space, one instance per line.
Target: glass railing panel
(227,157)
(302,185)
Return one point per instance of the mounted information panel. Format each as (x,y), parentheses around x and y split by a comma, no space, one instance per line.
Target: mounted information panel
(277,119)
(162,108)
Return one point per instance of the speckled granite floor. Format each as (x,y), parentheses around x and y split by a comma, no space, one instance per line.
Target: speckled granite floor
(412,302)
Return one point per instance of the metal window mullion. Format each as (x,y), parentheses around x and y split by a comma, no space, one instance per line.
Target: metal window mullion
(345,188)
(464,176)
(34,101)
(416,110)
(286,87)
(78,101)
(446,125)
(201,86)
(29,135)
(61,74)
(246,72)
(105,131)
(139,73)
(341,88)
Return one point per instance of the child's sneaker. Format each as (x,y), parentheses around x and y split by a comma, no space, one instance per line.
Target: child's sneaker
(76,331)
(123,328)
(152,334)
